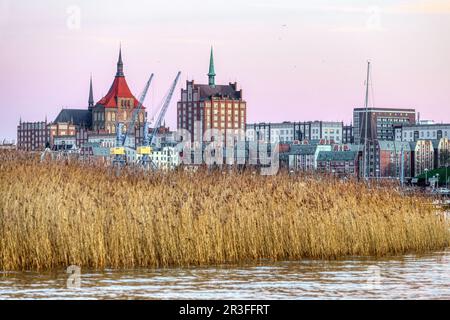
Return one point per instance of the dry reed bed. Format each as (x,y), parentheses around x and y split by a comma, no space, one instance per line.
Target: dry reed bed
(54,215)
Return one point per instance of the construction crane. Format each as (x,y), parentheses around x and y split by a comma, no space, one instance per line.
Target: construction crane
(137,110)
(119,150)
(149,139)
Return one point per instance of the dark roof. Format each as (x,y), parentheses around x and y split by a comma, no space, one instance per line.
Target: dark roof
(304,149)
(80,117)
(395,146)
(220,91)
(386,109)
(337,156)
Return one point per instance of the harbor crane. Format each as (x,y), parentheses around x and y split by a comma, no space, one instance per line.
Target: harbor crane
(149,139)
(119,150)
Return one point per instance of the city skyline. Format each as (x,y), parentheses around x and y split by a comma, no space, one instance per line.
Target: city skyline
(288,68)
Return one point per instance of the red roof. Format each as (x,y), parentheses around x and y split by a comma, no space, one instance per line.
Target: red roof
(119,88)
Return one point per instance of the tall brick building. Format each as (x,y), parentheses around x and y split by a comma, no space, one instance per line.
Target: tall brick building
(211,106)
(32,136)
(381,123)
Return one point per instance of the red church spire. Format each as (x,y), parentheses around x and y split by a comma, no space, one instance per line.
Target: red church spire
(119,88)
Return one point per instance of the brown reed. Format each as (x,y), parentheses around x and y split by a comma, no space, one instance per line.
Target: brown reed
(57,214)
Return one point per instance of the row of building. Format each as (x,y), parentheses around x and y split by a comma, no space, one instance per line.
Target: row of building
(387,159)
(380,142)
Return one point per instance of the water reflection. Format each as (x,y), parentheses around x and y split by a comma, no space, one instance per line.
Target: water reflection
(406,277)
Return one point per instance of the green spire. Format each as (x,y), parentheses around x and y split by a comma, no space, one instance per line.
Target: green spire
(211,73)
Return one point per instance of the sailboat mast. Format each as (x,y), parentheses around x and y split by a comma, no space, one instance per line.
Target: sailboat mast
(366,121)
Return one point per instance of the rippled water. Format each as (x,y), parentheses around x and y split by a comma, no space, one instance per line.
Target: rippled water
(406,277)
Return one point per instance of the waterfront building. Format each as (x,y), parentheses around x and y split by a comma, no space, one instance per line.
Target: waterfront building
(443,153)
(295,131)
(211,106)
(415,132)
(384,159)
(166,157)
(32,136)
(389,159)
(64,142)
(81,136)
(328,130)
(274,132)
(61,129)
(108,140)
(347,134)
(424,156)
(380,123)
(303,157)
(340,163)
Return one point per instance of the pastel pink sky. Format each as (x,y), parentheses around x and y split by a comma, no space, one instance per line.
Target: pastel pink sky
(295,60)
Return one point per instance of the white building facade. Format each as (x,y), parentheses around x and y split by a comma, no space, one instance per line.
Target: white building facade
(295,131)
(166,157)
(411,133)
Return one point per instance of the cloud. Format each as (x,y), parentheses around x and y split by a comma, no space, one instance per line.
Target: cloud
(355,29)
(191,40)
(422,7)
(343,9)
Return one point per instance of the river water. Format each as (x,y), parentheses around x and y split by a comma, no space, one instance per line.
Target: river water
(403,277)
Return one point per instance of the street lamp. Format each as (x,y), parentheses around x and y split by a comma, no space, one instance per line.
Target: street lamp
(446,176)
(426,177)
(437,180)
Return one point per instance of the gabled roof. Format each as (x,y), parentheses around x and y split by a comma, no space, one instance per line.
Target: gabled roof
(434,143)
(220,91)
(80,117)
(119,88)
